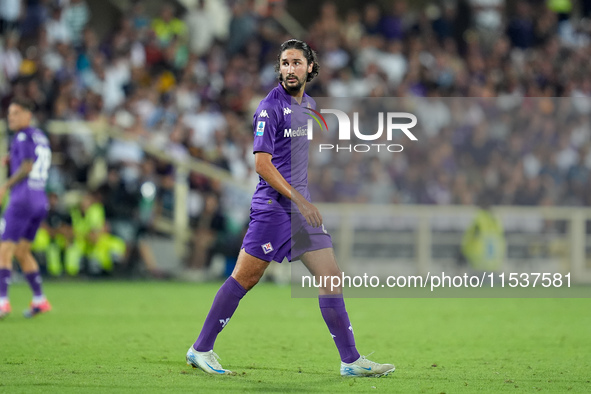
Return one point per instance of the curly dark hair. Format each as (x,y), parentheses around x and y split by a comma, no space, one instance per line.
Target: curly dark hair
(24,103)
(308,52)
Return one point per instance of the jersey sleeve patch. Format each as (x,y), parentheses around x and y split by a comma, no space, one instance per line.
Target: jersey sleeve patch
(265,124)
(260,128)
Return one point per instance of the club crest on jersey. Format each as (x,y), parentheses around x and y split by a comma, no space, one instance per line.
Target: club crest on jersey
(260,128)
(21,137)
(263,114)
(267,248)
(286,111)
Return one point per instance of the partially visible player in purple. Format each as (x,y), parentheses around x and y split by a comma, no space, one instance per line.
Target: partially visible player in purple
(30,159)
(283,221)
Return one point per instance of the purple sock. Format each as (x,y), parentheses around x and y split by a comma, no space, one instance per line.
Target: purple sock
(4,281)
(224,304)
(34,279)
(336,318)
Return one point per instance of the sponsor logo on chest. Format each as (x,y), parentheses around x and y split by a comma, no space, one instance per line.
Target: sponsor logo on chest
(301,131)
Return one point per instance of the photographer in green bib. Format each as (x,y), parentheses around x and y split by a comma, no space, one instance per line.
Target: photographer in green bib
(92,237)
(484,245)
(83,238)
(53,241)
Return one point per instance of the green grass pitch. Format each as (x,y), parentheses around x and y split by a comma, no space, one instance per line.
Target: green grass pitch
(108,337)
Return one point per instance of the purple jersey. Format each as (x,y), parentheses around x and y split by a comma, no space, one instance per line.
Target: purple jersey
(28,202)
(30,144)
(280,128)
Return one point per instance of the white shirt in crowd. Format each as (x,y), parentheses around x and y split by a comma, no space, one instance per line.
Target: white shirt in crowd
(10,10)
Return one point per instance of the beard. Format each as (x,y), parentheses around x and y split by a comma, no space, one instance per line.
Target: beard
(294,87)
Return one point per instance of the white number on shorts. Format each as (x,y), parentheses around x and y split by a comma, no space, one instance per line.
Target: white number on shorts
(40,171)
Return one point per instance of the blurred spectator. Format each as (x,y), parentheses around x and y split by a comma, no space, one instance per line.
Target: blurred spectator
(488,15)
(10,57)
(329,23)
(209,236)
(121,202)
(11,11)
(521,26)
(100,249)
(484,244)
(129,209)
(242,26)
(53,242)
(167,26)
(76,15)
(200,23)
(563,8)
(349,188)
(127,153)
(392,25)
(378,187)
(138,16)
(444,18)
(56,28)
(35,14)
(271,30)
(393,63)
(352,30)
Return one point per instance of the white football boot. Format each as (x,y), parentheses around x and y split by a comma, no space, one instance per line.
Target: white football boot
(366,368)
(206,361)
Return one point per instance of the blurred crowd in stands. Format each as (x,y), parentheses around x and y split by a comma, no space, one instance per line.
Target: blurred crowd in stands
(189,80)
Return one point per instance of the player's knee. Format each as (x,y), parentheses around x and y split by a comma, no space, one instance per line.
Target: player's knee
(21,255)
(247,278)
(248,282)
(336,272)
(249,270)
(330,275)
(331,281)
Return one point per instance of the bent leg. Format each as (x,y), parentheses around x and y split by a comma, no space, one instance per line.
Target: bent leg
(323,263)
(25,257)
(249,270)
(7,249)
(30,268)
(332,305)
(247,273)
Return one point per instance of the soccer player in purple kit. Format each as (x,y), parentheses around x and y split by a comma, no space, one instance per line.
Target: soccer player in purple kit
(283,221)
(30,159)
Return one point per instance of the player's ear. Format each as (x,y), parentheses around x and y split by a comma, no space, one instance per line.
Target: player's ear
(310,67)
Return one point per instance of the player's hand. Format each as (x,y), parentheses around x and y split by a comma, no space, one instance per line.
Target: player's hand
(310,213)
(3,190)
(5,160)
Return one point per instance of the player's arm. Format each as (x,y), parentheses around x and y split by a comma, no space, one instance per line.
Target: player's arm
(20,174)
(265,168)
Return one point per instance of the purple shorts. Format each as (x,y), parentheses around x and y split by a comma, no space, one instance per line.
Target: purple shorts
(274,235)
(22,220)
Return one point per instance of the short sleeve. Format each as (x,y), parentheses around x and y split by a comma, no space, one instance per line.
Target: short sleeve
(265,125)
(26,146)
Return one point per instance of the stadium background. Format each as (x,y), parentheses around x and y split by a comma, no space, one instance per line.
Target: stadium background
(158,125)
(149,112)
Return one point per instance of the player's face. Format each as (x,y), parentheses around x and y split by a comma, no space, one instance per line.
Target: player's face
(294,70)
(18,117)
